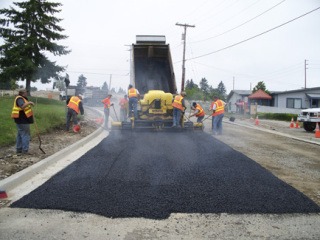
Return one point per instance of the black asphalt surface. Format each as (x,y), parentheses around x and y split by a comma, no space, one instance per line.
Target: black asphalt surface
(152,175)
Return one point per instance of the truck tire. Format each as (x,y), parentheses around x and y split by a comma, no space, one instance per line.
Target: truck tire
(309,126)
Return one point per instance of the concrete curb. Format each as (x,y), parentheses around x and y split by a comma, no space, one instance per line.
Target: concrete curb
(273,132)
(18,178)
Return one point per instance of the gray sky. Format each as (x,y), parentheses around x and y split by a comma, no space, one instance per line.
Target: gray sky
(100,32)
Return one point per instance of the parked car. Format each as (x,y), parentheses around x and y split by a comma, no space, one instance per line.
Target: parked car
(310,118)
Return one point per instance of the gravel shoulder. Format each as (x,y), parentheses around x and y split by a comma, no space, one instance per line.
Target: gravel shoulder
(293,161)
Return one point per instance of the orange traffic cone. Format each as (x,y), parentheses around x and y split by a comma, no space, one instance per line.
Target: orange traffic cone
(292,123)
(317,134)
(257,121)
(297,124)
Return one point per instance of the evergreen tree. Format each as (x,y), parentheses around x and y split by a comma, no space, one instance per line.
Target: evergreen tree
(28,33)
(82,81)
(221,89)
(105,86)
(204,86)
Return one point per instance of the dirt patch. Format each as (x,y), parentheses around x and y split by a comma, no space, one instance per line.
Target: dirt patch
(52,142)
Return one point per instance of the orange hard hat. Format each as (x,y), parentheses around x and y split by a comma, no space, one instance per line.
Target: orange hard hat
(76,128)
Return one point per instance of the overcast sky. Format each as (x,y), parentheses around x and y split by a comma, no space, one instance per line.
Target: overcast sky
(232,40)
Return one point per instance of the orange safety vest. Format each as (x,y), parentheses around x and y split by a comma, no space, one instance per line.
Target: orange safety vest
(16,109)
(201,111)
(219,107)
(177,102)
(132,93)
(74,103)
(106,102)
(123,103)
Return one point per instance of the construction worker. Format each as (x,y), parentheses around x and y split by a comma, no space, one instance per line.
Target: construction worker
(198,112)
(107,104)
(123,108)
(75,107)
(133,95)
(217,106)
(23,117)
(179,107)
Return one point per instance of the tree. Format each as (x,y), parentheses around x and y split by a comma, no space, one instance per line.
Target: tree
(221,89)
(105,86)
(204,86)
(27,35)
(82,81)
(260,85)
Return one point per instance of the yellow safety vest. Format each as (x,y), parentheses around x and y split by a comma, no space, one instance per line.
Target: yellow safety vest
(16,109)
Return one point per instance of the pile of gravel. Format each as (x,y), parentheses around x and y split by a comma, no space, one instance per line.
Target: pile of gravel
(152,175)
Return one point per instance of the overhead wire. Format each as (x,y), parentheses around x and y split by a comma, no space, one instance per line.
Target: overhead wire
(258,35)
(259,15)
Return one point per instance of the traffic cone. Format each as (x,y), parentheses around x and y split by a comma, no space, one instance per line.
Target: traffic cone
(257,121)
(3,194)
(317,133)
(292,123)
(297,124)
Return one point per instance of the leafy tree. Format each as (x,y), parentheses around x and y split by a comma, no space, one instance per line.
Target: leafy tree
(260,85)
(29,33)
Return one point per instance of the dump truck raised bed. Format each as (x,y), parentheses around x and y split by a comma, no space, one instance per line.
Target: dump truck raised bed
(153,75)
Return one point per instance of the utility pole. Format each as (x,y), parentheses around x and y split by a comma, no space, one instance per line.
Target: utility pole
(184,52)
(305,73)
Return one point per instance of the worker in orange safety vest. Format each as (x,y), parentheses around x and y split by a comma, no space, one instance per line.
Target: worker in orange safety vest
(124,102)
(74,105)
(23,117)
(107,104)
(198,112)
(133,95)
(217,108)
(179,108)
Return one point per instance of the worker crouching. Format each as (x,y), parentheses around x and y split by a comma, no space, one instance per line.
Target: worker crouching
(74,105)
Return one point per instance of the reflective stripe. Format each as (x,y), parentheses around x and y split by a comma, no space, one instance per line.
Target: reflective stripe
(74,103)
(132,93)
(201,111)
(16,109)
(177,102)
(219,108)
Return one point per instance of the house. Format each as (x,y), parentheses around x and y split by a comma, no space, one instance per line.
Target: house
(297,99)
(236,99)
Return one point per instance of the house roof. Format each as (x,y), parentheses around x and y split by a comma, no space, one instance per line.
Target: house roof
(260,94)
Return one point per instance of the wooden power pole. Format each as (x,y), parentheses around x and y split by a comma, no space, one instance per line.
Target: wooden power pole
(184,52)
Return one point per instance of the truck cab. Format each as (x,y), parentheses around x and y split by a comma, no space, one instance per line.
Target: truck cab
(310,118)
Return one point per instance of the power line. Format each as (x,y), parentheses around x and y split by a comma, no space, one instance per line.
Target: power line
(235,44)
(240,24)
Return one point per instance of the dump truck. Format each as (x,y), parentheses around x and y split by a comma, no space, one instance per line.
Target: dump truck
(310,118)
(153,75)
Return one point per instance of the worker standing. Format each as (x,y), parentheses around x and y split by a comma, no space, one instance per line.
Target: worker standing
(74,105)
(123,108)
(179,107)
(198,112)
(107,104)
(133,95)
(217,106)
(23,117)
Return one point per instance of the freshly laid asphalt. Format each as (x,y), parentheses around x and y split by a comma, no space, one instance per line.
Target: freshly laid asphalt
(152,175)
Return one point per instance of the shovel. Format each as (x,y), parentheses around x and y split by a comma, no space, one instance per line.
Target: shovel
(37,131)
(115,113)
